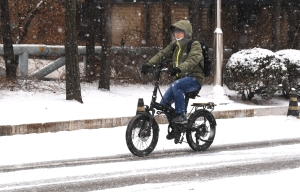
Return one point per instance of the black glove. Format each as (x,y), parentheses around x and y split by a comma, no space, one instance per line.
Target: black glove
(145,68)
(174,71)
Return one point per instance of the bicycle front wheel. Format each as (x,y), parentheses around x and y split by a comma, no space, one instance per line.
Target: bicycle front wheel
(141,137)
(205,122)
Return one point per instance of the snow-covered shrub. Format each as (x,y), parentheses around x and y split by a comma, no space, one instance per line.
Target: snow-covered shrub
(293,66)
(256,71)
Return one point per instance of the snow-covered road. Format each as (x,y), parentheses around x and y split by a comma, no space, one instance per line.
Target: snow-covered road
(247,148)
(178,166)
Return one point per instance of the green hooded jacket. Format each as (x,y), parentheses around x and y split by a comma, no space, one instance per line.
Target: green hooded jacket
(186,62)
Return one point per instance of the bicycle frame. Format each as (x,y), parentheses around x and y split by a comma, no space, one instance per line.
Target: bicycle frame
(161,108)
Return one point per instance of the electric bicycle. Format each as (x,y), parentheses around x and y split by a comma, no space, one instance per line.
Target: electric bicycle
(143,130)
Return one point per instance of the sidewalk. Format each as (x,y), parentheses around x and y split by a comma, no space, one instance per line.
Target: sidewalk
(26,112)
(123,121)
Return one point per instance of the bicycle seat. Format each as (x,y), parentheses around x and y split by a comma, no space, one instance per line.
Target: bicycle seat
(192,95)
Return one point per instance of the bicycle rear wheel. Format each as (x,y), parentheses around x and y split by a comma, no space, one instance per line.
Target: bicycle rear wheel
(205,122)
(141,138)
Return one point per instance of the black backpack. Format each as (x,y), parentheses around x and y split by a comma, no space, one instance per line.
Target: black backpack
(207,62)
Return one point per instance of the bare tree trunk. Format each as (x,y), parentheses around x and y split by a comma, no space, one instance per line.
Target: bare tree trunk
(104,82)
(10,62)
(294,26)
(91,61)
(194,17)
(73,90)
(210,24)
(235,29)
(147,24)
(276,25)
(166,9)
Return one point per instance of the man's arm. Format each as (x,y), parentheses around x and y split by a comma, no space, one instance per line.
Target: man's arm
(163,55)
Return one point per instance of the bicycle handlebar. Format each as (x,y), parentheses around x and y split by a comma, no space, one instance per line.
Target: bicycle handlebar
(159,67)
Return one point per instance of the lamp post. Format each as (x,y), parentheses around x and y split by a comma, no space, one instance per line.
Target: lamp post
(218,46)
(218,90)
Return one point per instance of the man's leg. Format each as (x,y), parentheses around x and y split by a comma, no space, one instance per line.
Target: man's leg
(179,87)
(168,100)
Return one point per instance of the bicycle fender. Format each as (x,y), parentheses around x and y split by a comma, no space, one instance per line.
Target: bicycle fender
(213,118)
(207,114)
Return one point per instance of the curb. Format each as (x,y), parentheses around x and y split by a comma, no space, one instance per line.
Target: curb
(6,130)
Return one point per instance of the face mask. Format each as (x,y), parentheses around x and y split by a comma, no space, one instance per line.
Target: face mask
(179,39)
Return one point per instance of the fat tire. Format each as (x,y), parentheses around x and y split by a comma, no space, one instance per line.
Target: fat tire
(209,122)
(135,125)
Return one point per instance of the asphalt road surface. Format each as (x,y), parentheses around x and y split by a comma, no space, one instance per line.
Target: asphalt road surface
(159,167)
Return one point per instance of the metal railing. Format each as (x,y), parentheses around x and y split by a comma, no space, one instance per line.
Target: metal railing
(25,50)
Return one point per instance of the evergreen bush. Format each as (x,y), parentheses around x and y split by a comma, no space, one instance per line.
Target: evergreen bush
(292,58)
(256,71)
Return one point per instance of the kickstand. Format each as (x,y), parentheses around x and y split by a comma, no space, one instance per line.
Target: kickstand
(181,139)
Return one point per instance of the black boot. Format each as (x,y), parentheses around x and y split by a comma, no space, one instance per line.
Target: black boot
(177,134)
(171,134)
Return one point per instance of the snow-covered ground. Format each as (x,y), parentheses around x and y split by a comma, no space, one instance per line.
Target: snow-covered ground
(111,141)
(19,107)
(20,149)
(22,107)
(276,181)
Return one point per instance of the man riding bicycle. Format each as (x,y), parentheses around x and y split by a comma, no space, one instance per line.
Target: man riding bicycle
(188,75)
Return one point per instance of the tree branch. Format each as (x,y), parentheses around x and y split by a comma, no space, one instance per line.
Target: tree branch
(27,24)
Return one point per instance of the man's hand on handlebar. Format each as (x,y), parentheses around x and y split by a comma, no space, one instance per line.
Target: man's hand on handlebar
(173,71)
(145,68)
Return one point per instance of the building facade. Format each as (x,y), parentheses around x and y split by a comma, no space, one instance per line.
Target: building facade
(271,24)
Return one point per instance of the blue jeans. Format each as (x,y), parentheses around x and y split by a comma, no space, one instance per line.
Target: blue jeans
(175,93)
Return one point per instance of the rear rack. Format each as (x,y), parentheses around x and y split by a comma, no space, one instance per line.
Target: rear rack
(208,105)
